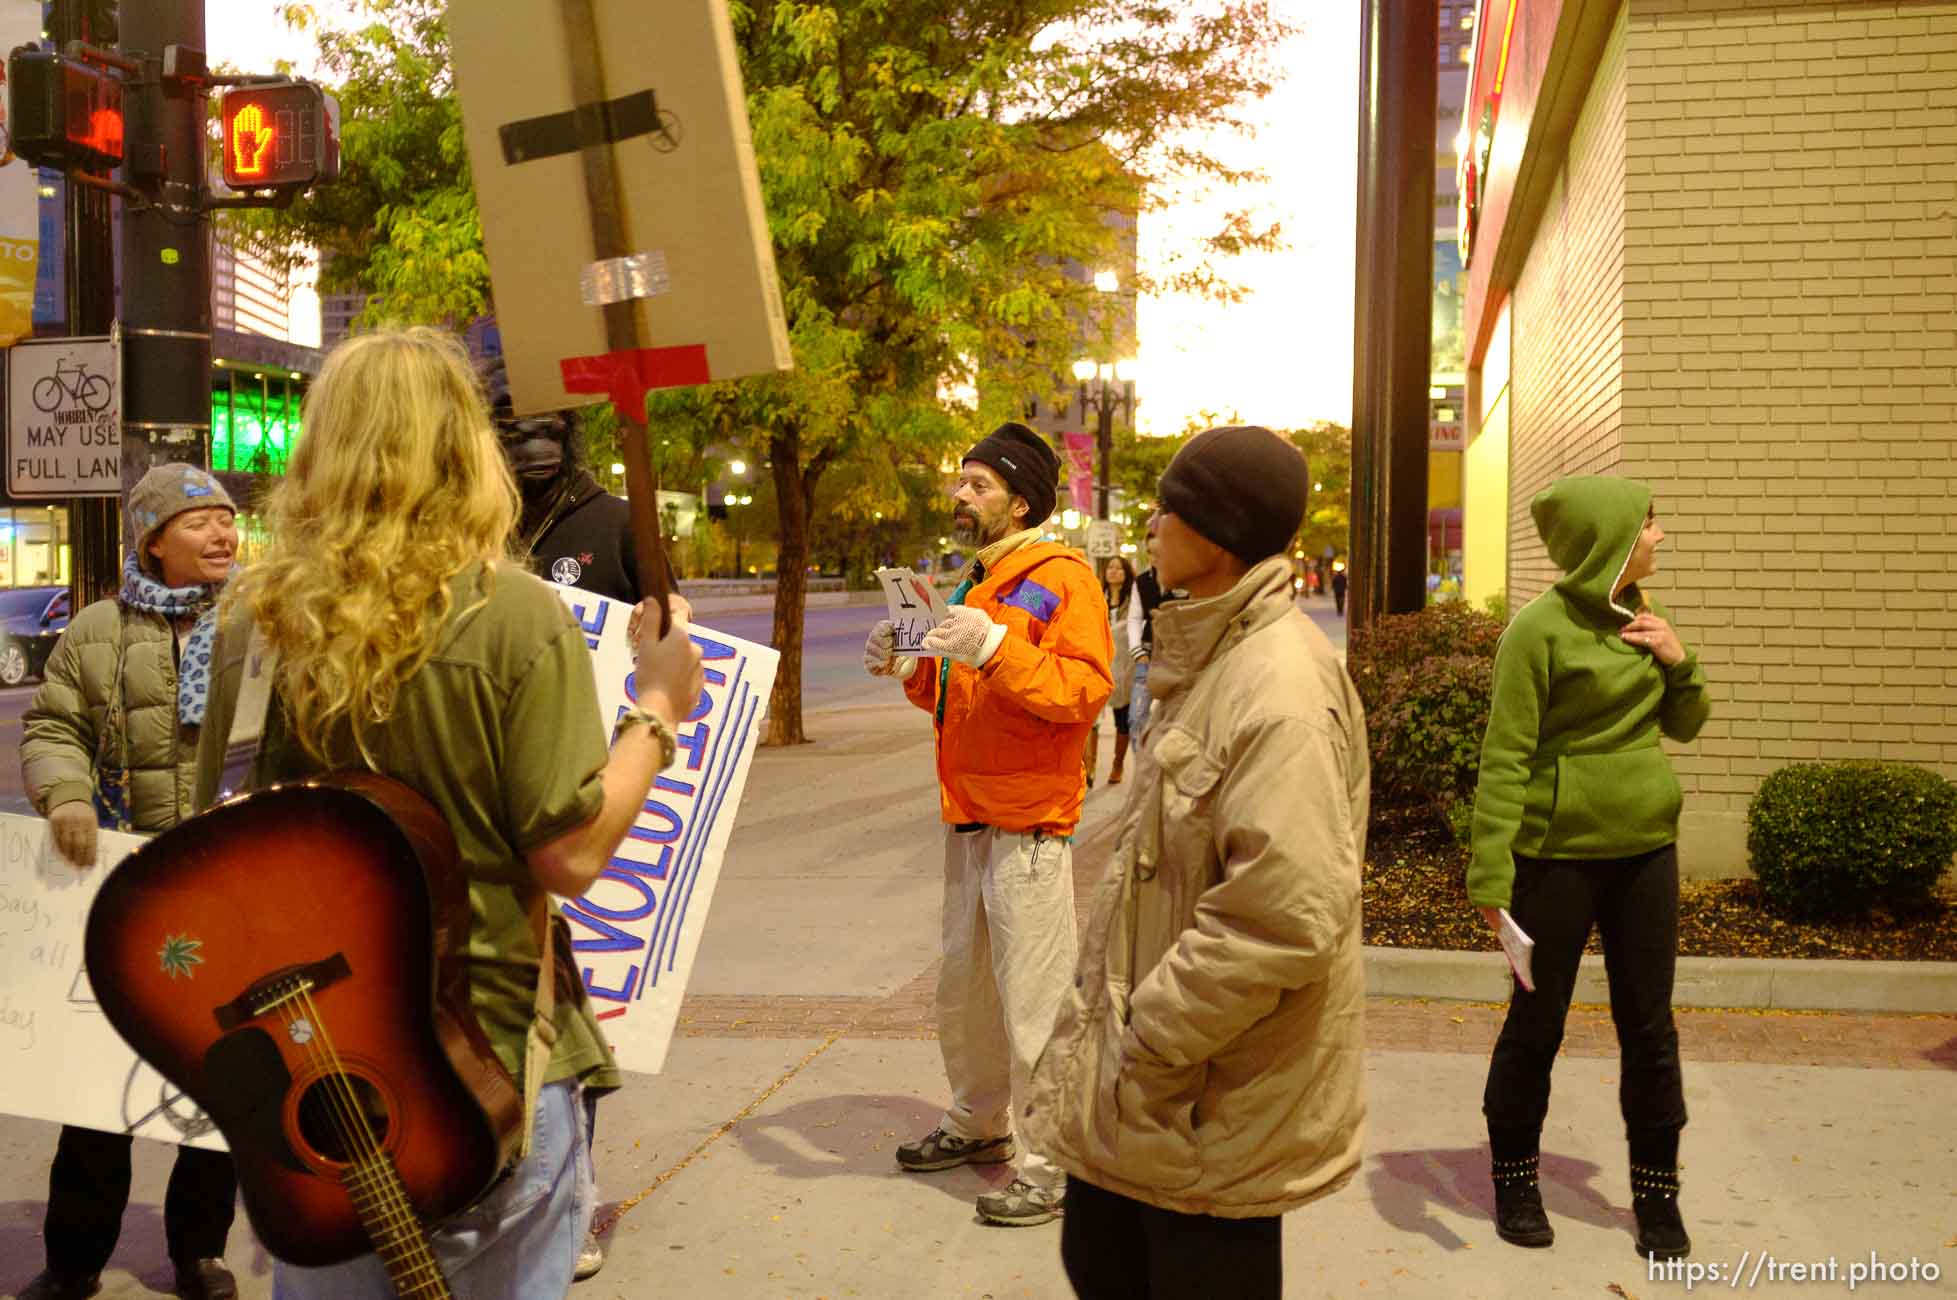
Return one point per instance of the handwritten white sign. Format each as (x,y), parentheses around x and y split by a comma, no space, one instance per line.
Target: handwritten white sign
(635,933)
(59,1058)
(915,608)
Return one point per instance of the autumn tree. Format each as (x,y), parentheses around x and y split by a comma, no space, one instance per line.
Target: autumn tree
(934,171)
(1328,518)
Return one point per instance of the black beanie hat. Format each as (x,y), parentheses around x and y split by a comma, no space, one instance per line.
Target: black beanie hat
(1026,462)
(1242,487)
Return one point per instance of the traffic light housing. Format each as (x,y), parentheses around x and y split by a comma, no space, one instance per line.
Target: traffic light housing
(279,135)
(63,113)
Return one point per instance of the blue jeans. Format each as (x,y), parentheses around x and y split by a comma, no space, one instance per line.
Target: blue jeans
(518,1243)
(1138,702)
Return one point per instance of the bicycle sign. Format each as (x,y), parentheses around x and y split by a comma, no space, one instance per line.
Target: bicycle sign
(77,385)
(64,417)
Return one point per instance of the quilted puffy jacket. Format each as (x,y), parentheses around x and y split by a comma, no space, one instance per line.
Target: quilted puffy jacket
(109,699)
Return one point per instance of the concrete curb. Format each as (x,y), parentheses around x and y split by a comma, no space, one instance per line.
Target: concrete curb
(1805,984)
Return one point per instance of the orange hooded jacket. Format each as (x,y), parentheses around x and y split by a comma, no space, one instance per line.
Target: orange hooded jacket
(1010,734)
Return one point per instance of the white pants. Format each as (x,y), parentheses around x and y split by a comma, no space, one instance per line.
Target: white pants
(1009,949)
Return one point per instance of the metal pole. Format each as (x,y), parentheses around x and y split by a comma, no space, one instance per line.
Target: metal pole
(166,258)
(1104,403)
(88,248)
(1393,307)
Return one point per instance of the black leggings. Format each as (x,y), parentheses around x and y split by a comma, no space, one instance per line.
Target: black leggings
(88,1189)
(1634,904)
(1114,1248)
(1120,712)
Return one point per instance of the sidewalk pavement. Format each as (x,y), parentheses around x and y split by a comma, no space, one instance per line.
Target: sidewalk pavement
(760,1163)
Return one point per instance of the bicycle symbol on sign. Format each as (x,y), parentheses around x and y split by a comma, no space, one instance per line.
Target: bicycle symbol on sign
(90,389)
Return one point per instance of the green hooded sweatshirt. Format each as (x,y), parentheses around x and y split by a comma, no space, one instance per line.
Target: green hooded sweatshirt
(1571,766)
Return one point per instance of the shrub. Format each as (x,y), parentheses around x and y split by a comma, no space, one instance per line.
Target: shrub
(1497,605)
(1398,641)
(1425,736)
(1838,839)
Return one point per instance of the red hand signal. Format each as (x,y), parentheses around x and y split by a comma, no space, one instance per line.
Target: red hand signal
(251,140)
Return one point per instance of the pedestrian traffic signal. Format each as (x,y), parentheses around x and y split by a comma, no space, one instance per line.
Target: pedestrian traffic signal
(62,112)
(280,135)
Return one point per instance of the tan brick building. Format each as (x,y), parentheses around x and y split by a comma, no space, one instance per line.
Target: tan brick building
(1714,248)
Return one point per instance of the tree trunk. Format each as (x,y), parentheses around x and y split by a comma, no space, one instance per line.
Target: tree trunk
(794,493)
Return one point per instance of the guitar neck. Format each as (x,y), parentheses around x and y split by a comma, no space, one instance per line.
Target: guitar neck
(399,1239)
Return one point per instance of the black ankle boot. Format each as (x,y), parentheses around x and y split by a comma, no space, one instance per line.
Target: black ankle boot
(1654,1199)
(1519,1214)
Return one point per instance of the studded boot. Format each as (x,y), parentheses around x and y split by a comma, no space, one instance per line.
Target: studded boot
(1519,1215)
(1654,1196)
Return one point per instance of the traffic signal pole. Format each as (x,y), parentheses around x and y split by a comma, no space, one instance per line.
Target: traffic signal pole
(88,253)
(166,260)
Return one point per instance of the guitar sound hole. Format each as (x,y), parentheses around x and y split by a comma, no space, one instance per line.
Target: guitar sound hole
(337,1114)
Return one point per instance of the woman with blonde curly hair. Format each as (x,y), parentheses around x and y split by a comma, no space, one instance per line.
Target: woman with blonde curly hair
(411,644)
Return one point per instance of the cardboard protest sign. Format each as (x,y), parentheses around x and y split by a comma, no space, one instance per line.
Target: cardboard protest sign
(59,1058)
(915,608)
(636,932)
(699,269)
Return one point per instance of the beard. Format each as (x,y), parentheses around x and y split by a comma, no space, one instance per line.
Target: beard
(966,527)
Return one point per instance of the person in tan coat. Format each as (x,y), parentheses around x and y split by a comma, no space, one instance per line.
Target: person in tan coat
(1204,1074)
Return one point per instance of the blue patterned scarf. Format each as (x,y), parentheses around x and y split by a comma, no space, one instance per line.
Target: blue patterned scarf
(140,591)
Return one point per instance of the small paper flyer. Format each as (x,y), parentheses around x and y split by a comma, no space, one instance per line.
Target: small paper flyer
(915,608)
(1519,948)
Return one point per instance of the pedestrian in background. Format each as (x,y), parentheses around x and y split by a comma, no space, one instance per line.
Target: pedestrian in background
(1576,825)
(1117,585)
(1338,589)
(111,740)
(1148,597)
(1205,1073)
(1014,678)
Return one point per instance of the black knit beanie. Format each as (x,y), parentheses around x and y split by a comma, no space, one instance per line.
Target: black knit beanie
(1242,487)
(1028,465)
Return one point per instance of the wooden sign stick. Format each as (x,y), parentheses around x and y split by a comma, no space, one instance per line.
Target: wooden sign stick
(628,387)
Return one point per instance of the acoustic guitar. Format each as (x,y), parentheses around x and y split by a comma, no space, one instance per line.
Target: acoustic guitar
(292,959)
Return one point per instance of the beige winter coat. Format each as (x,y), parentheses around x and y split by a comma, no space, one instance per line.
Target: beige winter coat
(85,716)
(1208,1058)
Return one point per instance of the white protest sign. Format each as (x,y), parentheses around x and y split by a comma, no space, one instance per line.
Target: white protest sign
(64,417)
(636,931)
(59,1058)
(915,608)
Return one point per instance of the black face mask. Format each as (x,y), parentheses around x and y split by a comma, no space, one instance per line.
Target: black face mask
(535,449)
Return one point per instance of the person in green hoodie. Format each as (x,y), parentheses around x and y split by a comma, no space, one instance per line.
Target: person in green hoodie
(1575,825)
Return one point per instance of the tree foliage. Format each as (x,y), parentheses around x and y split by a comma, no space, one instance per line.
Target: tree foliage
(1328,520)
(935,172)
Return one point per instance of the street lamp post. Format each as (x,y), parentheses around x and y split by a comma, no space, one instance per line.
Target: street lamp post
(1104,387)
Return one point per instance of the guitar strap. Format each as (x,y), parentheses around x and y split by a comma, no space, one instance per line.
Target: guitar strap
(241,749)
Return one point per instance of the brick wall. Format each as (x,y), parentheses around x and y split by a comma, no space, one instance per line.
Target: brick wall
(1565,401)
(1790,373)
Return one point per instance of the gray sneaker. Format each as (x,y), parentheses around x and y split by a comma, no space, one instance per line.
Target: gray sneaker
(940,1150)
(1021,1205)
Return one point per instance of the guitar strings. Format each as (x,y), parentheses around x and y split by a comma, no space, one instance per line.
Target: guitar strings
(396,1214)
(395,1211)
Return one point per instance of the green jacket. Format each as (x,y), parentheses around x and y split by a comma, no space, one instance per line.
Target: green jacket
(109,699)
(1571,766)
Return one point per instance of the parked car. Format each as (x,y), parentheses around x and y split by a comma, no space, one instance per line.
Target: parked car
(31,621)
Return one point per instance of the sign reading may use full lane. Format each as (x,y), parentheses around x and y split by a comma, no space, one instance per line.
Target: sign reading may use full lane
(64,417)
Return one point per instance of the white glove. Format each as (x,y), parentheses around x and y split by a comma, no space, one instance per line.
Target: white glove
(967,635)
(880,658)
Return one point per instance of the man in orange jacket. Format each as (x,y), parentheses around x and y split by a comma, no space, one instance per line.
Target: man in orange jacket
(1014,676)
